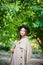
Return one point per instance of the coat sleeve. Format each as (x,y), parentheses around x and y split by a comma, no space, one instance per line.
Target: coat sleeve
(14,46)
(28,52)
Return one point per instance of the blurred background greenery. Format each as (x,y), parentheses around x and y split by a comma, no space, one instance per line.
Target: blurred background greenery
(14,13)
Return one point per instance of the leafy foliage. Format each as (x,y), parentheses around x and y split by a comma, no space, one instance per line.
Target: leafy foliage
(13,13)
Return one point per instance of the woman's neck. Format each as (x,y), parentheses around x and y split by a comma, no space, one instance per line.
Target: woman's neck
(23,36)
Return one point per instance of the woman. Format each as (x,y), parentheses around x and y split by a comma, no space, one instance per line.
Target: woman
(22,51)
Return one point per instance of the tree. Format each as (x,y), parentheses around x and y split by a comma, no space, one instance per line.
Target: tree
(13,14)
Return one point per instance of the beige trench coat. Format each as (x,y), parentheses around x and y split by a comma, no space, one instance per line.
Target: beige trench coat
(22,52)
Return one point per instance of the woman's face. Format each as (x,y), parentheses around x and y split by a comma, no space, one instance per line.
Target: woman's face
(22,32)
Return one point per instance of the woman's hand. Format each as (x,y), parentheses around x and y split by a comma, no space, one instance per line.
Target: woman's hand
(12,50)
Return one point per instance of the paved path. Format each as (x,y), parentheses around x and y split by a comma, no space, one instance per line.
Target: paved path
(5,60)
(33,61)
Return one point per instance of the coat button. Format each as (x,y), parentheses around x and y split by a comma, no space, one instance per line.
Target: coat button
(20,63)
(21,56)
(21,49)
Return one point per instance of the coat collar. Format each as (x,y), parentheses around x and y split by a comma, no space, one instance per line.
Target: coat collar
(23,38)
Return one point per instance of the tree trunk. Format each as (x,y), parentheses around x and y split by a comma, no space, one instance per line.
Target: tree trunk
(40,43)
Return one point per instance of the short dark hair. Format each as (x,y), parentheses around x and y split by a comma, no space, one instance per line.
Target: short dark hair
(24,26)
